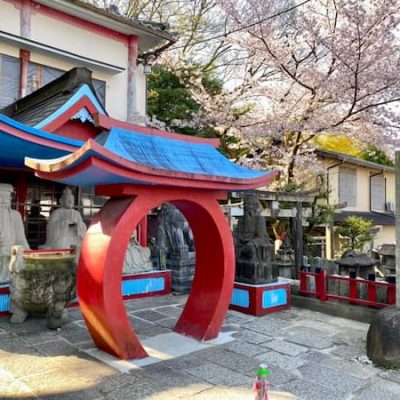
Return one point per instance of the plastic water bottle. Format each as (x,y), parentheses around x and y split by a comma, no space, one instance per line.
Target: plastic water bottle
(261,384)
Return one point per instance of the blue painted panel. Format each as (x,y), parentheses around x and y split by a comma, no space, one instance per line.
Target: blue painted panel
(240,298)
(4,302)
(140,286)
(274,298)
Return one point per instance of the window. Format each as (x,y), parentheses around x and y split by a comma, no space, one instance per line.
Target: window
(43,197)
(9,79)
(90,204)
(348,186)
(378,192)
(100,88)
(40,75)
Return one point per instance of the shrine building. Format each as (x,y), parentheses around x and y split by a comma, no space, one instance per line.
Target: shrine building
(39,42)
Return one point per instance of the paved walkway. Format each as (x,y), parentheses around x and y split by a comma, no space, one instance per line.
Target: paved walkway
(311,355)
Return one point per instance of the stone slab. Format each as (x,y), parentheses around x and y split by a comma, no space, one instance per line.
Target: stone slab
(160,348)
(337,380)
(284,347)
(221,376)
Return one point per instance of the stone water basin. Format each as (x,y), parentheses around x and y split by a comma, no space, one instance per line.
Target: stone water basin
(42,283)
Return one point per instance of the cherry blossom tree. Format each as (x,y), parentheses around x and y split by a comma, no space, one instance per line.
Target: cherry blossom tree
(327,66)
(291,70)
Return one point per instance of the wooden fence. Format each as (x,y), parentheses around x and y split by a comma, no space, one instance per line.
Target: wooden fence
(354,290)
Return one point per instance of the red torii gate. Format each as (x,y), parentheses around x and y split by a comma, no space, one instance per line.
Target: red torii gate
(192,176)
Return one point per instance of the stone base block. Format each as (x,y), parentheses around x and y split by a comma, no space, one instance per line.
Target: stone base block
(256,273)
(260,299)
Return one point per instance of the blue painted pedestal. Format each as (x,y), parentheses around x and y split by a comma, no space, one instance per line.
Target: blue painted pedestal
(260,299)
(146,284)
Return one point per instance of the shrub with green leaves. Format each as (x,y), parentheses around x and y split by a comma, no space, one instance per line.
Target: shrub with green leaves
(357,230)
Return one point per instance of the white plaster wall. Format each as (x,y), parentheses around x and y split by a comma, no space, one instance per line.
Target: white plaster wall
(78,40)
(333,182)
(140,91)
(390,187)
(386,235)
(9,18)
(116,85)
(81,41)
(116,95)
(9,50)
(363,197)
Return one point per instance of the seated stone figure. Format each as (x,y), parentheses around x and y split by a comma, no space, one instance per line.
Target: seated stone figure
(251,236)
(11,230)
(174,236)
(65,227)
(174,248)
(253,246)
(137,258)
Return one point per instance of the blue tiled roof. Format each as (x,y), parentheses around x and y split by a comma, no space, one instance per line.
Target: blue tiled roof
(174,155)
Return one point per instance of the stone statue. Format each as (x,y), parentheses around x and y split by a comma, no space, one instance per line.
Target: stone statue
(65,228)
(137,258)
(11,230)
(174,248)
(253,246)
(174,235)
(251,235)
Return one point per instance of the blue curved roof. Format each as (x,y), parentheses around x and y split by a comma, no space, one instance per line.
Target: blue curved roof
(19,141)
(174,155)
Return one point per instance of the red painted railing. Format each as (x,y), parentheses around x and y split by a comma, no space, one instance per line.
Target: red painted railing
(321,285)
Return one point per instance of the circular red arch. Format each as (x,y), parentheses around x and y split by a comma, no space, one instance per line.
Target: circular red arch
(103,251)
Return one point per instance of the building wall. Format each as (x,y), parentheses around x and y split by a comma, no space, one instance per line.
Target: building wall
(386,235)
(9,18)
(333,185)
(78,40)
(116,90)
(390,187)
(363,187)
(9,50)
(69,34)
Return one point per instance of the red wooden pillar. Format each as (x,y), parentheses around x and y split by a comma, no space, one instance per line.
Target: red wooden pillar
(321,285)
(102,256)
(24,56)
(353,288)
(303,282)
(132,69)
(21,192)
(391,294)
(371,288)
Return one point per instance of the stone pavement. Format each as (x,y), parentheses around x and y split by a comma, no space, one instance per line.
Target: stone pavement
(311,355)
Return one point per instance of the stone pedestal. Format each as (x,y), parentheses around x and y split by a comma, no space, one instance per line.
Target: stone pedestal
(256,272)
(182,271)
(260,300)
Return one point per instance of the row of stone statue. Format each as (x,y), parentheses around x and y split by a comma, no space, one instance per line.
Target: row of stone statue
(65,229)
(173,242)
